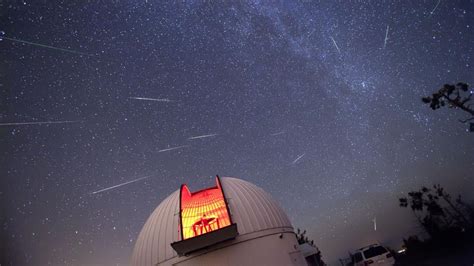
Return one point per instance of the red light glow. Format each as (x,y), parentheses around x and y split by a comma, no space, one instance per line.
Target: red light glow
(203,211)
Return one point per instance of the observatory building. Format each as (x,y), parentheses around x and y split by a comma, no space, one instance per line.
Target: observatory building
(232,223)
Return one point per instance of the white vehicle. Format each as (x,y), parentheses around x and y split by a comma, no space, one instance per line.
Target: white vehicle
(373,255)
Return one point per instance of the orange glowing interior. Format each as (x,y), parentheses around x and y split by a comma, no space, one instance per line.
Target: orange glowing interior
(203,211)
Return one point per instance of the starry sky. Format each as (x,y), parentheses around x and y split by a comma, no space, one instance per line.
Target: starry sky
(317,102)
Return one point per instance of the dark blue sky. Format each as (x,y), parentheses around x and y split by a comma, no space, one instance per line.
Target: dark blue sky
(336,84)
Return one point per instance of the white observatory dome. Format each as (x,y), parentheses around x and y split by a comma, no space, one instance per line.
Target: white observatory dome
(254,212)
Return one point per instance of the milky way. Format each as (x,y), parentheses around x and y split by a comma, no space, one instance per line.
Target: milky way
(319,103)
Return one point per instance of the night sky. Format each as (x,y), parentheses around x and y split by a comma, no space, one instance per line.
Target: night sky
(318,103)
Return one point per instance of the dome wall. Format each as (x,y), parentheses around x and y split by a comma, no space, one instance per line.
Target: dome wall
(252,208)
(256,214)
(160,230)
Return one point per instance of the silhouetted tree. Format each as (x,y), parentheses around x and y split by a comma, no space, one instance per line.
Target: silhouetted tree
(454,96)
(432,215)
(467,208)
(447,198)
(435,217)
(416,202)
(449,223)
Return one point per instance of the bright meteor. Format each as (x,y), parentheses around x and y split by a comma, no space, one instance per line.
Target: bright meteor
(432,11)
(299,157)
(386,38)
(122,184)
(174,148)
(151,99)
(202,136)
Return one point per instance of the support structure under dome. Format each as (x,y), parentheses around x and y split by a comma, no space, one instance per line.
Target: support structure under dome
(232,223)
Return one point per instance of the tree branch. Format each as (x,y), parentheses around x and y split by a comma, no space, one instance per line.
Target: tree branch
(466,120)
(458,104)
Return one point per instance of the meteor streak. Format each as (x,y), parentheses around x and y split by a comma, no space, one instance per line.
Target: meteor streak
(299,157)
(335,44)
(386,38)
(202,136)
(432,11)
(37,123)
(151,99)
(122,184)
(277,133)
(174,148)
(45,46)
